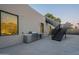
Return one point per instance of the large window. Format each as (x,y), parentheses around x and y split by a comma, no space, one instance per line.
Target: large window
(9,23)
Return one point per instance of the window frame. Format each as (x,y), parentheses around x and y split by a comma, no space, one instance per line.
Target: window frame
(17,22)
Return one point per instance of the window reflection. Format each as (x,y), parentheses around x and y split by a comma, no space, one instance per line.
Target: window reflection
(8,24)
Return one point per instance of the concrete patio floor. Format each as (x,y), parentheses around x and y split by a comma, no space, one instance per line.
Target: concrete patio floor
(46,46)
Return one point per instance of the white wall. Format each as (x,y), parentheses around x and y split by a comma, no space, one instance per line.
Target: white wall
(29,20)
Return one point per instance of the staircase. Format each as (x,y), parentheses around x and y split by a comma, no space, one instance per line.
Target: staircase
(59,35)
(58,32)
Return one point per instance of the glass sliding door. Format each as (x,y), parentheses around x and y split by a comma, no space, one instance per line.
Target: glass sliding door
(42,28)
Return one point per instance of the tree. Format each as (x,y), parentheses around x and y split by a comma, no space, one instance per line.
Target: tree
(58,20)
(68,25)
(49,15)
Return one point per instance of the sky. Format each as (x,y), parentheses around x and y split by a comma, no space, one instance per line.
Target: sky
(66,12)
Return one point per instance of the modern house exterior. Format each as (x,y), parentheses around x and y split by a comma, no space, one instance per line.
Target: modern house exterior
(28,20)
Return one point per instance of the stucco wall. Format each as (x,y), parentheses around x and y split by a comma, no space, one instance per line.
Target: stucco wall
(29,20)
